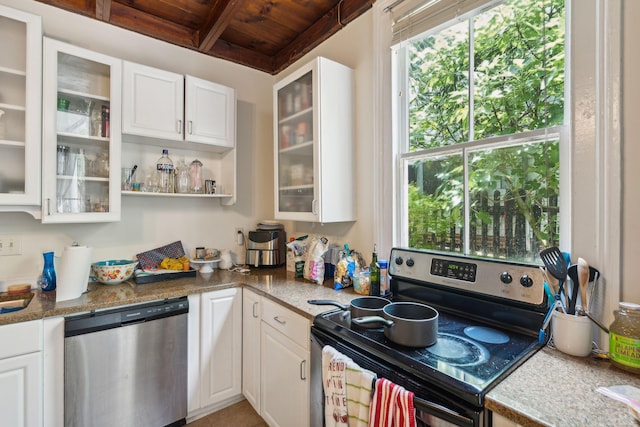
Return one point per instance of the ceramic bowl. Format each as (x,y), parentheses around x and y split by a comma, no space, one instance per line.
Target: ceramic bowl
(113,272)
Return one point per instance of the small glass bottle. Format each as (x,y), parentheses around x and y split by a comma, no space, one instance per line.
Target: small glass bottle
(374,275)
(164,166)
(47,280)
(624,337)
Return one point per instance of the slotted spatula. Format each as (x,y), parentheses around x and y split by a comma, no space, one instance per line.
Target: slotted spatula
(556,265)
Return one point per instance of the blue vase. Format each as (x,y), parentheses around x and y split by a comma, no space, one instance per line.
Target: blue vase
(48,278)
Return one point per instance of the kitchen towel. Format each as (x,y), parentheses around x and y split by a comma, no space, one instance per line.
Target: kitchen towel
(334,366)
(73,273)
(391,406)
(359,388)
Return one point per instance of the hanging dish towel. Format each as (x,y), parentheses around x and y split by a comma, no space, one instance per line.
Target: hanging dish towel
(391,406)
(359,393)
(334,383)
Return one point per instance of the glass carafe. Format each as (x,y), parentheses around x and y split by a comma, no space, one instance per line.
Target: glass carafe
(195,175)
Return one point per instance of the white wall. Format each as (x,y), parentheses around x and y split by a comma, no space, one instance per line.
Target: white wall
(631,151)
(150,222)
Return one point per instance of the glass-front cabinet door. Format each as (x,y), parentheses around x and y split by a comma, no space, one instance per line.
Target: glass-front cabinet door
(295,146)
(313,134)
(20,107)
(82,140)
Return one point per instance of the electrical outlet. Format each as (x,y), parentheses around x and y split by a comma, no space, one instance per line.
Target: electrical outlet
(239,236)
(10,245)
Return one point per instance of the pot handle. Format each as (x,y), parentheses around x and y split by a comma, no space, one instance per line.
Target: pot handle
(372,319)
(327,302)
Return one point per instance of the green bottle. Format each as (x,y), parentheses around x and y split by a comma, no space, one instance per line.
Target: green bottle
(374,275)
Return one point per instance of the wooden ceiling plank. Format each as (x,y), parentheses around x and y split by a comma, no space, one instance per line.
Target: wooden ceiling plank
(322,29)
(103,10)
(222,15)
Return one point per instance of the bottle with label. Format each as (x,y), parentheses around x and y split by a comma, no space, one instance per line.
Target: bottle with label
(624,337)
(384,277)
(164,166)
(374,275)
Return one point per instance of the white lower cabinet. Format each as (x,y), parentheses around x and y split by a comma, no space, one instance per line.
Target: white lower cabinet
(53,363)
(276,362)
(21,374)
(251,320)
(215,350)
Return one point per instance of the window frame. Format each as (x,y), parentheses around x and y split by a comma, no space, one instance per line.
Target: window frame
(591,171)
(400,85)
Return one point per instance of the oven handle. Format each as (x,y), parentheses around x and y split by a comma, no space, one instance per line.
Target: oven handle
(441,411)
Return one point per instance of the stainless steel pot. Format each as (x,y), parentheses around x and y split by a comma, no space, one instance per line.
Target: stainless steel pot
(406,323)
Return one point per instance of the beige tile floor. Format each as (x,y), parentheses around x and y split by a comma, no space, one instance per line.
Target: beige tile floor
(239,415)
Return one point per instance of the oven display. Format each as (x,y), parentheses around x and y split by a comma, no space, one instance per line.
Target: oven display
(454,269)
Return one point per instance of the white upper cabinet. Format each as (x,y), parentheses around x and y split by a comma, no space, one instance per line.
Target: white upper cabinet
(165,105)
(81,146)
(153,102)
(210,113)
(20,108)
(313,138)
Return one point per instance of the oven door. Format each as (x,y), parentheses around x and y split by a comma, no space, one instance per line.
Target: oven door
(433,409)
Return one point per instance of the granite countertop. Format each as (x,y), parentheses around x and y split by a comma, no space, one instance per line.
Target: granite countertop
(275,283)
(555,389)
(549,389)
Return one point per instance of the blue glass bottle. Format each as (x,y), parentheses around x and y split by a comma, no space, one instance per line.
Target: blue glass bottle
(48,278)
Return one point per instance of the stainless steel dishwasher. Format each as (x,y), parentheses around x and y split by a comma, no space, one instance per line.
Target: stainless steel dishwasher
(127,366)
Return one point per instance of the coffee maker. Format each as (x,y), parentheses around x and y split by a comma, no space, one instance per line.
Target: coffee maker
(266,248)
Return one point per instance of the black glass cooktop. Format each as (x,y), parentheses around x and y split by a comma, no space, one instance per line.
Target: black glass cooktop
(468,357)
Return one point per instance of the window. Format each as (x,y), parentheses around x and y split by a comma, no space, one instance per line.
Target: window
(481,124)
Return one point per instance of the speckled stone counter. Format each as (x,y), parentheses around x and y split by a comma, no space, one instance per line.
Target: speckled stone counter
(550,389)
(275,283)
(555,389)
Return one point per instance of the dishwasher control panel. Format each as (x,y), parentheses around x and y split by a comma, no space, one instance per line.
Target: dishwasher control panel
(122,316)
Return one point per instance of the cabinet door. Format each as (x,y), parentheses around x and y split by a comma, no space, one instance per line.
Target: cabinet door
(285,385)
(152,102)
(251,308)
(220,345)
(21,390)
(210,113)
(20,107)
(314,158)
(295,148)
(81,131)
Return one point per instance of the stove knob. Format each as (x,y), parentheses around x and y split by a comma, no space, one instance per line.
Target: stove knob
(399,260)
(505,277)
(410,262)
(526,281)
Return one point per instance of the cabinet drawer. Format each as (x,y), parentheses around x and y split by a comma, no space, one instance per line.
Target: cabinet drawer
(293,325)
(20,338)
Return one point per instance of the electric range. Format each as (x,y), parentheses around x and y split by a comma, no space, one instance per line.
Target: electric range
(490,315)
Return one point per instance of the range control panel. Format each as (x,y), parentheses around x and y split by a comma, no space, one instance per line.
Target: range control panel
(513,281)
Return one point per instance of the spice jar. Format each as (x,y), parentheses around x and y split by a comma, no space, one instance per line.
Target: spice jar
(624,337)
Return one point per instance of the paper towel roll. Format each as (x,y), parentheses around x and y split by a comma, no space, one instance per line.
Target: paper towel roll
(73,274)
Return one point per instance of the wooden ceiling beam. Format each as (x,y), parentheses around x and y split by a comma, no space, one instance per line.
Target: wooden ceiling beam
(131,19)
(330,23)
(217,22)
(243,56)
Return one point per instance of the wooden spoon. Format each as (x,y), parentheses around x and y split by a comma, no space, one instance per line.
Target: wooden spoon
(583,280)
